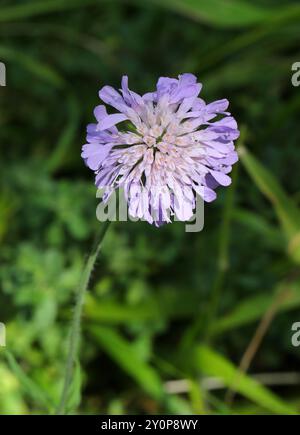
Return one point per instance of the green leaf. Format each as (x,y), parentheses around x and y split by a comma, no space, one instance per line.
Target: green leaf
(178,405)
(286,209)
(32,389)
(115,313)
(33,8)
(253,308)
(259,225)
(225,13)
(126,356)
(230,13)
(67,138)
(196,397)
(211,363)
(37,68)
(169,305)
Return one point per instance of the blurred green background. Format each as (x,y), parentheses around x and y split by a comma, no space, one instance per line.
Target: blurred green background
(174,322)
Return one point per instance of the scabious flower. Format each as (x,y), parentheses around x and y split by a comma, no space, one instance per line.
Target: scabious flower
(172,146)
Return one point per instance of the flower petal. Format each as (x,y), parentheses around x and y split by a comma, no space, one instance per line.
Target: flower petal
(221,178)
(111,120)
(94,154)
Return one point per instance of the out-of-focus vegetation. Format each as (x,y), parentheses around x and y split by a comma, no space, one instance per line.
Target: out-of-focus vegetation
(169,314)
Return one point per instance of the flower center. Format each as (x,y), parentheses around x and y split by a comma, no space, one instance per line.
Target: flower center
(149,140)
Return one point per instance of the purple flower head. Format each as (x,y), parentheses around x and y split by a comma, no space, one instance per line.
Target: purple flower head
(173,146)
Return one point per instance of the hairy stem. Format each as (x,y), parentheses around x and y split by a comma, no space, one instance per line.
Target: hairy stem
(75,325)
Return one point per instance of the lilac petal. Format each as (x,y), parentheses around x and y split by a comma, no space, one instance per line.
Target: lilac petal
(205,135)
(221,178)
(102,137)
(150,96)
(219,146)
(187,79)
(218,106)
(189,115)
(125,89)
(159,221)
(228,121)
(185,106)
(226,133)
(212,152)
(185,92)
(209,195)
(100,112)
(183,209)
(110,96)
(165,85)
(94,155)
(199,104)
(111,120)
(206,193)
(133,99)
(231,159)
(211,183)
(227,169)
(105,177)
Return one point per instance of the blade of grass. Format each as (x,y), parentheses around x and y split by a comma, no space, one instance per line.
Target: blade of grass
(33,8)
(253,308)
(127,357)
(56,159)
(196,396)
(257,339)
(211,363)
(168,306)
(257,224)
(242,41)
(39,69)
(286,209)
(228,13)
(30,388)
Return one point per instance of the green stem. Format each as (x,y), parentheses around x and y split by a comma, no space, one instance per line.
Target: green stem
(75,325)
